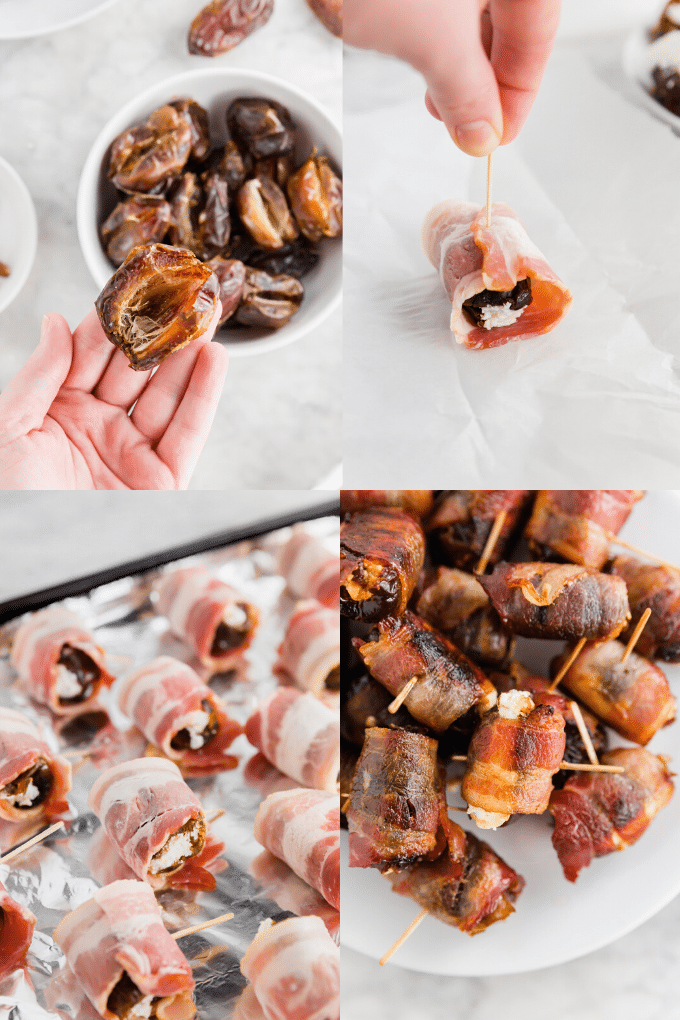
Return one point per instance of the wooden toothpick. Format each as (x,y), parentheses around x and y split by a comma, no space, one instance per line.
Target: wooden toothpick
(199,927)
(576,651)
(345,804)
(583,730)
(491,540)
(395,705)
(31,842)
(634,548)
(636,633)
(565,765)
(488,194)
(402,938)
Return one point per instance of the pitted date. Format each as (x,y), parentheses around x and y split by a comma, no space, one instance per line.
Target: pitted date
(4,269)
(229,163)
(329,13)
(140,219)
(223,24)
(159,300)
(277,168)
(264,212)
(294,259)
(200,214)
(315,194)
(197,119)
(231,276)
(268,301)
(262,127)
(147,156)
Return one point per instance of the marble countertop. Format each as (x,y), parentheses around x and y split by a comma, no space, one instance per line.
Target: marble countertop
(278,423)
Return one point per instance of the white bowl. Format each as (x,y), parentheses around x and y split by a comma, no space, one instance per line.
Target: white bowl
(215,89)
(22,19)
(18,232)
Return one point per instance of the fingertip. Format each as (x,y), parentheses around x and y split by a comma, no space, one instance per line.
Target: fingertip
(477,138)
(431,108)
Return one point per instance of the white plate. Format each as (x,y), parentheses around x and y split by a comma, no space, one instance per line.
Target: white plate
(18,232)
(20,19)
(555,920)
(640,57)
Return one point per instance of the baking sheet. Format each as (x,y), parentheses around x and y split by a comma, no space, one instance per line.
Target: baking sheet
(54,878)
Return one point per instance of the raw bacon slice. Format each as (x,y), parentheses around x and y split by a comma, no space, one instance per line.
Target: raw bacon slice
(656,587)
(34,780)
(633,697)
(397,804)
(302,828)
(597,813)
(294,968)
(471,257)
(282,885)
(120,951)
(551,600)
(310,650)
(310,569)
(58,660)
(211,616)
(156,822)
(414,501)
(463,518)
(469,887)
(448,683)
(381,554)
(178,713)
(298,734)
(574,524)
(16,931)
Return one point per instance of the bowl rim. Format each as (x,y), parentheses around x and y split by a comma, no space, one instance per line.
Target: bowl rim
(89,182)
(14,283)
(31,31)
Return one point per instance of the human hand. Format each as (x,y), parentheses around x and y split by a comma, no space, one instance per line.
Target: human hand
(482,60)
(64,421)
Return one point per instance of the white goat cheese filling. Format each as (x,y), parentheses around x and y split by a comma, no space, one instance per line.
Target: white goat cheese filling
(142,1008)
(514,704)
(486,819)
(499,315)
(234,616)
(195,730)
(177,847)
(67,685)
(24,799)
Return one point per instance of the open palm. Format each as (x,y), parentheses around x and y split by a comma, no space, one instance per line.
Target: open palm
(66,419)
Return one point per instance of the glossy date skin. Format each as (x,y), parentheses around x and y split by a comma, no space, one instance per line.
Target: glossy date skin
(315,194)
(148,155)
(223,24)
(140,219)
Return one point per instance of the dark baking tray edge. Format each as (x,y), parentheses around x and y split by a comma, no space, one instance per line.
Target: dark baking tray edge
(81,585)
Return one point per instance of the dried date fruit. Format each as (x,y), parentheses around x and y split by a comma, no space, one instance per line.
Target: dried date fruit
(264,212)
(241,246)
(147,156)
(223,24)
(197,119)
(231,276)
(315,194)
(4,269)
(200,214)
(268,301)
(262,126)
(140,219)
(294,259)
(276,168)
(160,299)
(214,220)
(329,13)
(228,162)
(185,198)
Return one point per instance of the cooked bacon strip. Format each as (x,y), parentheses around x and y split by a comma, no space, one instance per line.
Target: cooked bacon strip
(633,697)
(471,258)
(34,780)
(298,734)
(149,812)
(282,885)
(58,660)
(656,587)
(574,524)
(310,570)
(597,813)
(514,753)
(398,804)
(209,615)
(469,887)
(294,968)
(414,501)
(552,600)
(302,828)
(178,713)
(310,650)
(457,605)
(448,683)
(463,518)
(16,931)
(381,554)
(120,951)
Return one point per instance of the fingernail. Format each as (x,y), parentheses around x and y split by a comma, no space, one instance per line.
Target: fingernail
(477,138)
(43,326)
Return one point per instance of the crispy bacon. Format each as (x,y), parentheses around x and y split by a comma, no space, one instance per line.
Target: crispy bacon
(24,753)
(310,570)
(550,600)
(414,501)
(16,931)
(655,587)
(597,813)
(462,519)
(381,554)
(572,524)
(448,683)
(310,650)
(469,887)
(398,802)
(633,697)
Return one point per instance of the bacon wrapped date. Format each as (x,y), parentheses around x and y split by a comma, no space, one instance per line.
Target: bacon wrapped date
(381,554)
(366,705)
(462,519)
(597,813)
(417,502)
(573,524)
(633,697)
(398,801)
(551,600)
(469,887)
(656,587)
(448,682)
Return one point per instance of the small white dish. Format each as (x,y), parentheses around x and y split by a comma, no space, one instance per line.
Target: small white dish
(640,57)
(22,19)
(215,89)
(18,232)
